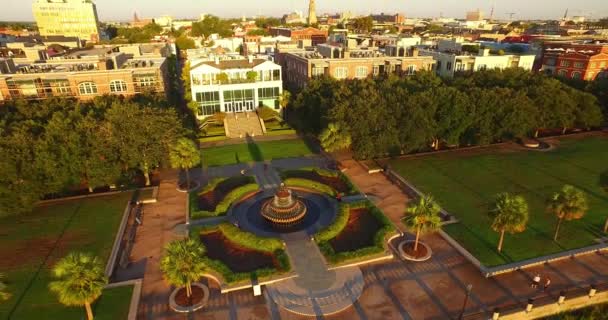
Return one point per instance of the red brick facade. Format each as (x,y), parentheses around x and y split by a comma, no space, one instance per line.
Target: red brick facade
(575,61)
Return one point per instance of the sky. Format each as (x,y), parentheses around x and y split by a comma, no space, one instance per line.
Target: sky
(115,10)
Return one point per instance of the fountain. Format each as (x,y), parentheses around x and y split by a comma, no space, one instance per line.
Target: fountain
(284,209)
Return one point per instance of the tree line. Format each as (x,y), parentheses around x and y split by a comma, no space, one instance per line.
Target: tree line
(56,145)
(397,115)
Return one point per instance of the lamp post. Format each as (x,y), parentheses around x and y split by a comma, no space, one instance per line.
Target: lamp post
(466,299)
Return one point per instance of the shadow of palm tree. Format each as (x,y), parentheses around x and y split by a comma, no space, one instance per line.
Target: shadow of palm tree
(254,149)
(604,180)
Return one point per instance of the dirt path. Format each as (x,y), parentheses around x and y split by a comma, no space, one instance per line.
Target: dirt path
(159,221)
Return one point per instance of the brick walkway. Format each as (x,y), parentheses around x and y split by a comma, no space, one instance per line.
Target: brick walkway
(157,230)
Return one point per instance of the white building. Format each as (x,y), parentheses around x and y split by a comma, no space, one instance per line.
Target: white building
(234,86)
(447,64)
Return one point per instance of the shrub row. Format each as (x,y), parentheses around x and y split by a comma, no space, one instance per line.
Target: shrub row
(334,229)
(224,205)
(352,189)
(249,240)
(309,184)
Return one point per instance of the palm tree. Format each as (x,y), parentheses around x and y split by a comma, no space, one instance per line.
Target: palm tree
(510,214)
(185,155)
(423,216)
(568,204)
(4,294)
(183,263)
(335,138)
(80,280)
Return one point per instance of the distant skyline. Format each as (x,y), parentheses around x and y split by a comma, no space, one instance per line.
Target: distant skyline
(120,10)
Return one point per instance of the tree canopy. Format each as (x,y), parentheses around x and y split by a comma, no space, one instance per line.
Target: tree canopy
(395,115)
(210,25)
(509,214)
(57,145)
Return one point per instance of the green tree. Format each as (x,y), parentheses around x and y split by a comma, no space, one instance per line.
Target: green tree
(184,43)
(509,213)
(363,24)
(210,25)
(185,155)
(183,263)
(335,138)
(185,78)
(79,280)
(568,204)
(4,293)
(422,216)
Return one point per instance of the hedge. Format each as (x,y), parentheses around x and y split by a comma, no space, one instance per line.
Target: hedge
(288,174)
(334,229)
(309,184)
(323,238)
(249,240)
(224,205)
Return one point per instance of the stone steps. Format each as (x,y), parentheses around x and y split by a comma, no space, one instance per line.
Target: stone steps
(239,125)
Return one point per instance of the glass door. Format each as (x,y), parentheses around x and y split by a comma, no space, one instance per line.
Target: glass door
(229,107)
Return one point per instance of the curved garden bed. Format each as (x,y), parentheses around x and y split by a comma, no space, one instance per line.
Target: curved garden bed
(238,255)
(215,199)
(359,232)
(325,181)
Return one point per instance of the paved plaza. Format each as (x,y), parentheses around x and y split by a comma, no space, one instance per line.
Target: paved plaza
(394,289)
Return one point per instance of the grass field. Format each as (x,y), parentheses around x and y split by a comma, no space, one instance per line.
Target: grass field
(258,151)
(32,243)
(466,182)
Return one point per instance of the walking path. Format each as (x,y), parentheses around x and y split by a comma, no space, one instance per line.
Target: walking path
(156,231)
(316,291)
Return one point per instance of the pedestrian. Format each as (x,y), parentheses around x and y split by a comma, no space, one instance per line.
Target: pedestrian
(536,281)
(242,172)
(547,284)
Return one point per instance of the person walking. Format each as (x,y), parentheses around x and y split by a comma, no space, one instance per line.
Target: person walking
(547,284)
(535,281)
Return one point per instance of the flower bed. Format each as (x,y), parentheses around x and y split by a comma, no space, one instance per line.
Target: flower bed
(215,199)
(359,232)
(238,256)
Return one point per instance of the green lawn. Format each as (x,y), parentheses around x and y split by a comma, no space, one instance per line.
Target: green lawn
(32,243)
(465,184)
(258,151)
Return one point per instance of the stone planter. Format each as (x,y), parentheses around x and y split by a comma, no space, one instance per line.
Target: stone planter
(406,256)
(186,309)
(193,186)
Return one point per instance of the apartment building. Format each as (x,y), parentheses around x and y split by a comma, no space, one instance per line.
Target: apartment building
(84,74)
(575,61)
(70,18)
(342,62)
(316,36)
(235,85)
(448,64)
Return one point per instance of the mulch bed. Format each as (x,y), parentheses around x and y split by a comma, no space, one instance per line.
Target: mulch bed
(238,259)
(335,182)
(182,299)
(209,200)
(408,249)
(358,233)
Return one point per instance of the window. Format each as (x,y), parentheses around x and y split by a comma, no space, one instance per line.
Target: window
(576,75)
(268,93)
(603,64)
(438,65)
(87,88)
(564,63)
(208,97)
(550,62)
(411,69)
(147,82)
(579,65)
(449,66)
(118,86)
(376,70)
(341,73)
(276,75)
(361,72)
(209,110)
(562,73)
(318,71)
(593,65)
(238,95)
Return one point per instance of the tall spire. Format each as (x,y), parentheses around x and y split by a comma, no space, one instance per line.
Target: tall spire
(312,16)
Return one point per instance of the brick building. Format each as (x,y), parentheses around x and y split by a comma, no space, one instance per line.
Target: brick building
(84,74)
(315,35)
(575,61)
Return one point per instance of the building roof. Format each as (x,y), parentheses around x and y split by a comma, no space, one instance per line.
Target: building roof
(232,64)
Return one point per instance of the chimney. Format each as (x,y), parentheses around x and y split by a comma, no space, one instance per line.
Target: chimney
(217,60)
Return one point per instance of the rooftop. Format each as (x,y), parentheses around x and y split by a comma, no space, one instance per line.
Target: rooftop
(232,64)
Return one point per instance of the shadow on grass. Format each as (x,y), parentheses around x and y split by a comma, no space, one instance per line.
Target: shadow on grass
(604,180)
(254,150)
(312,145)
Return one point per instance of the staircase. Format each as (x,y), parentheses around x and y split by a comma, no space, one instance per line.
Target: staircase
(239,125)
